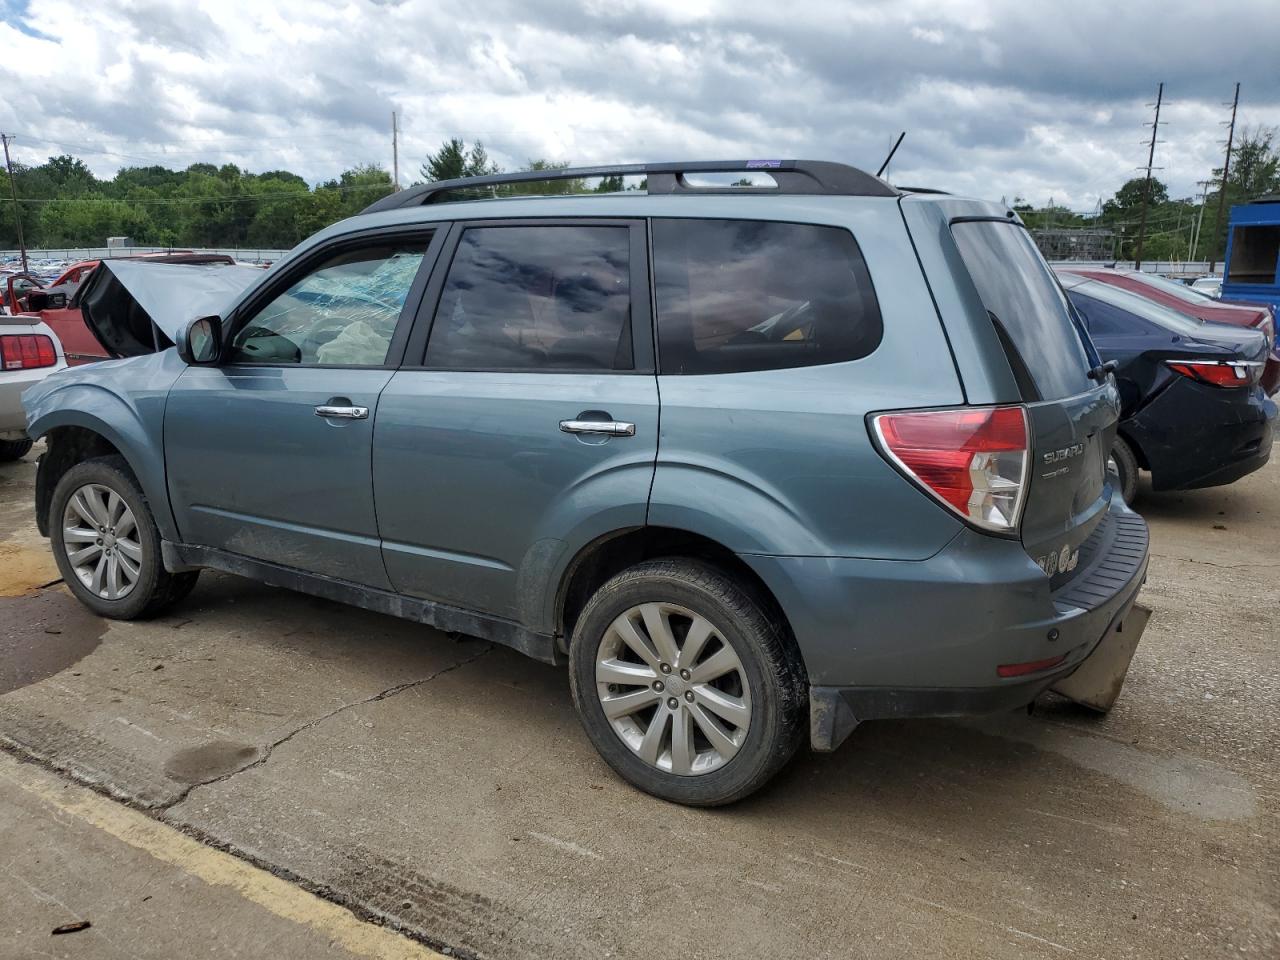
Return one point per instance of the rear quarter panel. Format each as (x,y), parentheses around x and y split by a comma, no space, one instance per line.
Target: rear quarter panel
(780,462)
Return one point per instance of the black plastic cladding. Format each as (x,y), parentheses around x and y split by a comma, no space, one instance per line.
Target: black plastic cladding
(791,177)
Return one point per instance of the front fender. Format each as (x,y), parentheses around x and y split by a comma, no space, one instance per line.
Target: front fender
(123,402)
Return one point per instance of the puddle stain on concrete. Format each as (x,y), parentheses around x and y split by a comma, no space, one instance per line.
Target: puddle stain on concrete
(42,634)
(25,568)
(210,761)
(1186,785)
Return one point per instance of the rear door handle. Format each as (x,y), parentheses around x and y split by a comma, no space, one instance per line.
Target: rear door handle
(342,413)
(608,428)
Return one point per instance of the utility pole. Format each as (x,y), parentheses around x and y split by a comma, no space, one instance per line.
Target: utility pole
(1146,189)
(395,153)
(1222,190)
(13,192)
(1204,186)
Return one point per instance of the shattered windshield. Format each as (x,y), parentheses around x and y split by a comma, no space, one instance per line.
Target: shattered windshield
(343,313)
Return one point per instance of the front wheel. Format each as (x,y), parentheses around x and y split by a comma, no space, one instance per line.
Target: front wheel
(106,544)
(686,686)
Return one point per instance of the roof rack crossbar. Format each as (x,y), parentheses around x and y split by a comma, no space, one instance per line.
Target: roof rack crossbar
(790,177)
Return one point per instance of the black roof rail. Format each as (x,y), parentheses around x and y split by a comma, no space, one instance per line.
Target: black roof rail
(791,177)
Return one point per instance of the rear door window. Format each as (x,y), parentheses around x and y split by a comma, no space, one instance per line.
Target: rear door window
(1027,306)
(739,295)
(536,298)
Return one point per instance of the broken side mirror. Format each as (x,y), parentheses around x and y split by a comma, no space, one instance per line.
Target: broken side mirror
(200,343)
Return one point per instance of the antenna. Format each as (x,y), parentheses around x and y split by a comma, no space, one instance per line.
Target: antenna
(894,149)
(395,153)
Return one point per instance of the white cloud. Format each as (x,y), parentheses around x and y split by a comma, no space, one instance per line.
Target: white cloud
(1035,99)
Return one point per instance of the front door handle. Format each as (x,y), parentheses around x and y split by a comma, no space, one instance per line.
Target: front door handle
(342,413)
(607,428)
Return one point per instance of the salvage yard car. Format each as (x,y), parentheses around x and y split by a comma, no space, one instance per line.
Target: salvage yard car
(1180,298)
(61,304)
(29,352)
(1193,411)
(758,463)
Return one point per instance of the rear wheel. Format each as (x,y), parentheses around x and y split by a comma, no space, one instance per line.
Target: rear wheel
(14,449)
(106,544)
(684,684)
(1125,465)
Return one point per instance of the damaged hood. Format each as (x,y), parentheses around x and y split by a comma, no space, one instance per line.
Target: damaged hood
(135,307)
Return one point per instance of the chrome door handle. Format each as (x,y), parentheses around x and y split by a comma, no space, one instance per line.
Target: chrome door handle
(608,428)
(342,413)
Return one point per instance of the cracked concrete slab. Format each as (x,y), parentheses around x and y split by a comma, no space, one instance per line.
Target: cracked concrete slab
(471,810)
(237,664)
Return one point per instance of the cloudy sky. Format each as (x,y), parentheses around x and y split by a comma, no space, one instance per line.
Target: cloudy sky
(998,97)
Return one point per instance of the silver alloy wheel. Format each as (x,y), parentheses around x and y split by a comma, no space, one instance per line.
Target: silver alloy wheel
(673,689)
(100,537)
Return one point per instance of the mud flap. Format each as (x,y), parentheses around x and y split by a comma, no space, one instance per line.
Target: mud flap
(1097,681)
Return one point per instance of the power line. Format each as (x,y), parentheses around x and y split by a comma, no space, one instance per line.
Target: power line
(149,157)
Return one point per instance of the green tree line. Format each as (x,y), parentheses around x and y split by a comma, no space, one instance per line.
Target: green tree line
(64,205)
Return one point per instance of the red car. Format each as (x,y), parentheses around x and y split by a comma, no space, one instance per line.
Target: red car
(1178,297)
(58,306)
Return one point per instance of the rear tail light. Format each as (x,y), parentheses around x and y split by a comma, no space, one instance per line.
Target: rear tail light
(974,460)
(26,351)
(1219,373)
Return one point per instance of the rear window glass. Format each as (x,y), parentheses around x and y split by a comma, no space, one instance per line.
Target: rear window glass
(1171,287)
(1124,304)
(739,295)
(1026,304)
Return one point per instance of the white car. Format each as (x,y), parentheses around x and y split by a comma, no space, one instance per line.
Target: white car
(1209,286)
(29,352)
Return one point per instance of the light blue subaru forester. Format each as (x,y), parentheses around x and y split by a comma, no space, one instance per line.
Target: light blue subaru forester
(760,450)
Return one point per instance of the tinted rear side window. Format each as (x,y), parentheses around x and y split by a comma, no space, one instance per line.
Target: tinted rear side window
(1027,306)
(738,295)
(536,298)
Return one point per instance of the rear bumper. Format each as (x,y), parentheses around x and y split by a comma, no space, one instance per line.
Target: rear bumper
(1193,436)
(899,639)
(13,419)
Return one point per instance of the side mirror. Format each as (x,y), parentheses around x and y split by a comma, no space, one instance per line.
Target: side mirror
(200,343)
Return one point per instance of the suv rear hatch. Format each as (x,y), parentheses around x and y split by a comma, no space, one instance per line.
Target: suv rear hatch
(1072,417)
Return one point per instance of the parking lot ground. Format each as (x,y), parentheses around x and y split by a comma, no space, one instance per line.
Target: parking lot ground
(146,890)
(443,786)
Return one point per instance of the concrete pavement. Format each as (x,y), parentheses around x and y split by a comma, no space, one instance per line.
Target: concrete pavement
(444,786)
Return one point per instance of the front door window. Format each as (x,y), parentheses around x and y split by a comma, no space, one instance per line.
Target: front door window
(343,313)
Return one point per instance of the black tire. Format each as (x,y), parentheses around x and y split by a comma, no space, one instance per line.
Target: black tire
(155,589)
(769,660)
(1126,467)
(14,449)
